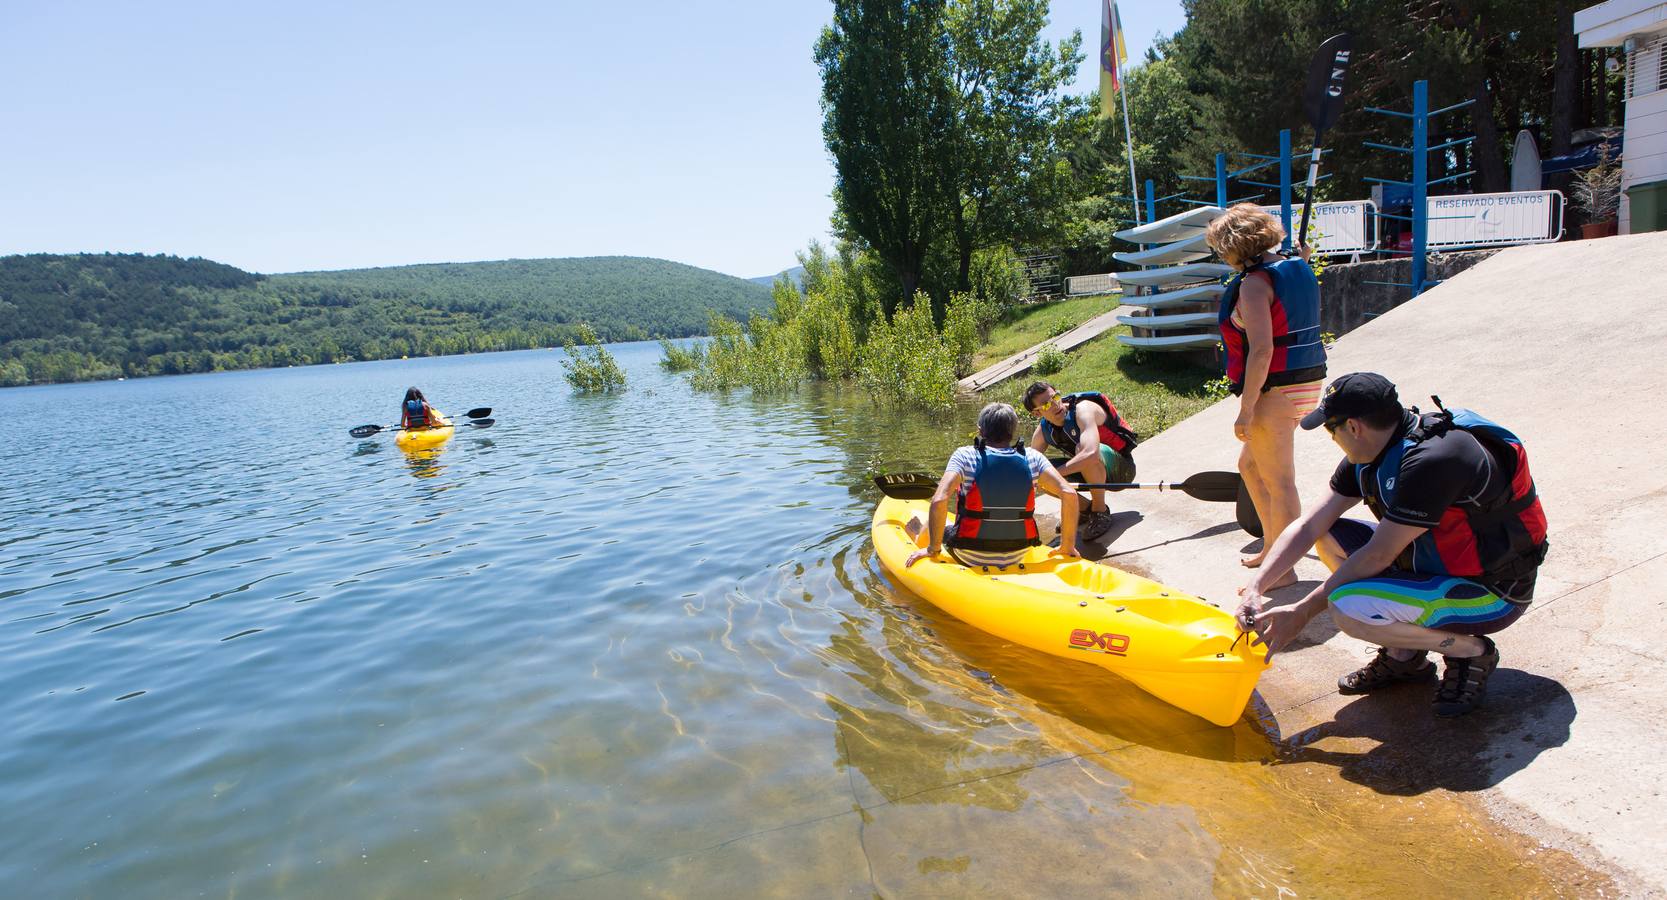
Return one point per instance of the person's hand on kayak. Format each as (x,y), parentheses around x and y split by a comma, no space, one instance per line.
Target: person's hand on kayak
(1277,626)
(1065,552)
(917,556)
(1249,609)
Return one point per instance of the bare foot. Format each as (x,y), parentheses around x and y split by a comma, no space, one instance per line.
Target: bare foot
(1288,579)
(1251,562)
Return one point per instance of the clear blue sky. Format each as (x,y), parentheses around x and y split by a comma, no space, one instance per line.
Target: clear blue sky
(308,135)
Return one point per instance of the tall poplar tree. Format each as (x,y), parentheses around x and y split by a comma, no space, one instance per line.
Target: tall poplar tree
(945,122)
(887,112)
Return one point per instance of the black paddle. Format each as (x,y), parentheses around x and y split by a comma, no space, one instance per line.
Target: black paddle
(1212,487)
(1246,515)
(1215,487)
(479,413)
(1322,99)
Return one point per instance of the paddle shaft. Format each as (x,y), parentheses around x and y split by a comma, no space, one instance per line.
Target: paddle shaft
(1209,493)
(479,412)
(1132,486)
(1331,63)
(1218,487)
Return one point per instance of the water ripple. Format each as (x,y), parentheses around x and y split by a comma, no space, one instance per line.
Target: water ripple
(627,645)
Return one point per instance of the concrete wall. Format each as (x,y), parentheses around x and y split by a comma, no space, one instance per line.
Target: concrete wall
(1348,301)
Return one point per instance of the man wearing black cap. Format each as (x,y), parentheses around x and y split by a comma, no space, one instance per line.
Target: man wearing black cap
(1453,557)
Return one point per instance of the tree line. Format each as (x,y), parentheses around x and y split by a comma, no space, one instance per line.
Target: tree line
(956,142)
(90,316)
(953,128)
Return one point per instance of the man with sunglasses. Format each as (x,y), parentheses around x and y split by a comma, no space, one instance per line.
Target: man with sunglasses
(1087,428)
(1453,557)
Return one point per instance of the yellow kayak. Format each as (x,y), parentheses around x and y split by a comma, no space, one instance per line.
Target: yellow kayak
(1173,645)
(423,438)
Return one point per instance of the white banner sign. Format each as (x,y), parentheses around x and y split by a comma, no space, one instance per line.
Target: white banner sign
(1090,284)
(1487,220)
(1347,226)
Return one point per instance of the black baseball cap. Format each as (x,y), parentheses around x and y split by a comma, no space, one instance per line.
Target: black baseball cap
(1352,395)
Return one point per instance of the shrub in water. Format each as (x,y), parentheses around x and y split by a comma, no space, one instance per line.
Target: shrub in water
(906,360)
(590,368)
(677,359)
(966,323)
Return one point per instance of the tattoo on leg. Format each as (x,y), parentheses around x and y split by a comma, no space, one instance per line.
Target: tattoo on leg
(1447,643)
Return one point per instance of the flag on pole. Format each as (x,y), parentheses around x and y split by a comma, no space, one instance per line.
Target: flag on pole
(1113,53)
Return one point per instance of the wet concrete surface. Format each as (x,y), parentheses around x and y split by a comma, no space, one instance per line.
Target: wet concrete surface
(1567,750)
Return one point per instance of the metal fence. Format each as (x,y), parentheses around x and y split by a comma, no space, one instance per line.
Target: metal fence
(1348,226)
(1495,220)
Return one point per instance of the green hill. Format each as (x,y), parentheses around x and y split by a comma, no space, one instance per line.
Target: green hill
(87,316)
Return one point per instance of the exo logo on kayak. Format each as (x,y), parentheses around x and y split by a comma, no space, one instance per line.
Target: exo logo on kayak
(1115,644)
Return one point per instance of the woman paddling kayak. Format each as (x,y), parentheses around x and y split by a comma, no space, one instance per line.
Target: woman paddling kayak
(415,413)
(421,426)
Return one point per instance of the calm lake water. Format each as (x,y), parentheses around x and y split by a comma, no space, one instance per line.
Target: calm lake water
(622,646)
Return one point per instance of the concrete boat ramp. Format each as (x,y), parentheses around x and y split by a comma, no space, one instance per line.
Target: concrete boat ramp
(1564,344)
(1020,363)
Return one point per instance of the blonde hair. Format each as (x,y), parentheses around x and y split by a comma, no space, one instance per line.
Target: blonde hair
(1243,233)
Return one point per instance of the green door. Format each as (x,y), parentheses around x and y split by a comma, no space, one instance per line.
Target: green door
(1649,206)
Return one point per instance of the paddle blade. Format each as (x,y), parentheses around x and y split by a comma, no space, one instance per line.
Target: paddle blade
(907,485)
(482,423)
(1246,516)
(1322,95)
(479,412)
(1214,487)
(364,431)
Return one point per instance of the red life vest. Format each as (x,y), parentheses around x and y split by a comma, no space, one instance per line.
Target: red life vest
(995,513)
(417,414)
(1503,542)
(1298,352)
(1114,432)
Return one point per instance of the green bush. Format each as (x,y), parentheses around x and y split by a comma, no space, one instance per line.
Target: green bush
(677,359)
(591,369)
(998,277)
(1049,360)
(775,360)
(966,323)
(1219,388)
(725,364)
(906,360)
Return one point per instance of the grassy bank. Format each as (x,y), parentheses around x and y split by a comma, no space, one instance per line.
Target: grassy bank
(1152,390)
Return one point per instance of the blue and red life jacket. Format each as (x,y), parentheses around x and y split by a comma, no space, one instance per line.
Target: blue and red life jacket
(1502,541)
(1297,349)
(995,512)
(1114,432)
(415,415)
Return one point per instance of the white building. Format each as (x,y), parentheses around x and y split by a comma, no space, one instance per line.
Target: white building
(1640,28)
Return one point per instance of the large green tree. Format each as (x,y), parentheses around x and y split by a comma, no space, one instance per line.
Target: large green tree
(887,111)
(1005,177)
(946,123)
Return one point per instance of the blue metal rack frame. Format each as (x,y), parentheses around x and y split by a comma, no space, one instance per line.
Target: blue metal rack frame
(1420,183)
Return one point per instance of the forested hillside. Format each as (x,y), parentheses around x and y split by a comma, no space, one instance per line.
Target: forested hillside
(87,316)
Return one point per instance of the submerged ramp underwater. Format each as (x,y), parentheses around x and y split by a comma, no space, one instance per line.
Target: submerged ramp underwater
(1566,344)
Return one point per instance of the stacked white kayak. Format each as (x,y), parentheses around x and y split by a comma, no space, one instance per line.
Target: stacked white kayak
(1184,287)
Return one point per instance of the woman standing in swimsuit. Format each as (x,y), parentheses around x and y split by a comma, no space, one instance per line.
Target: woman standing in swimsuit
(1270,327)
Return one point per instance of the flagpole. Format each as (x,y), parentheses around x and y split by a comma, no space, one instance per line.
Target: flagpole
(1128,141)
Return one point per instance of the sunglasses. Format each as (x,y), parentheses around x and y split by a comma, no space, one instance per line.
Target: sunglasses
(1043,404)
(1331,425)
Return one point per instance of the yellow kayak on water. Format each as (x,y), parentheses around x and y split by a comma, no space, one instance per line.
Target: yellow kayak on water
(1177,647)
(423,438)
